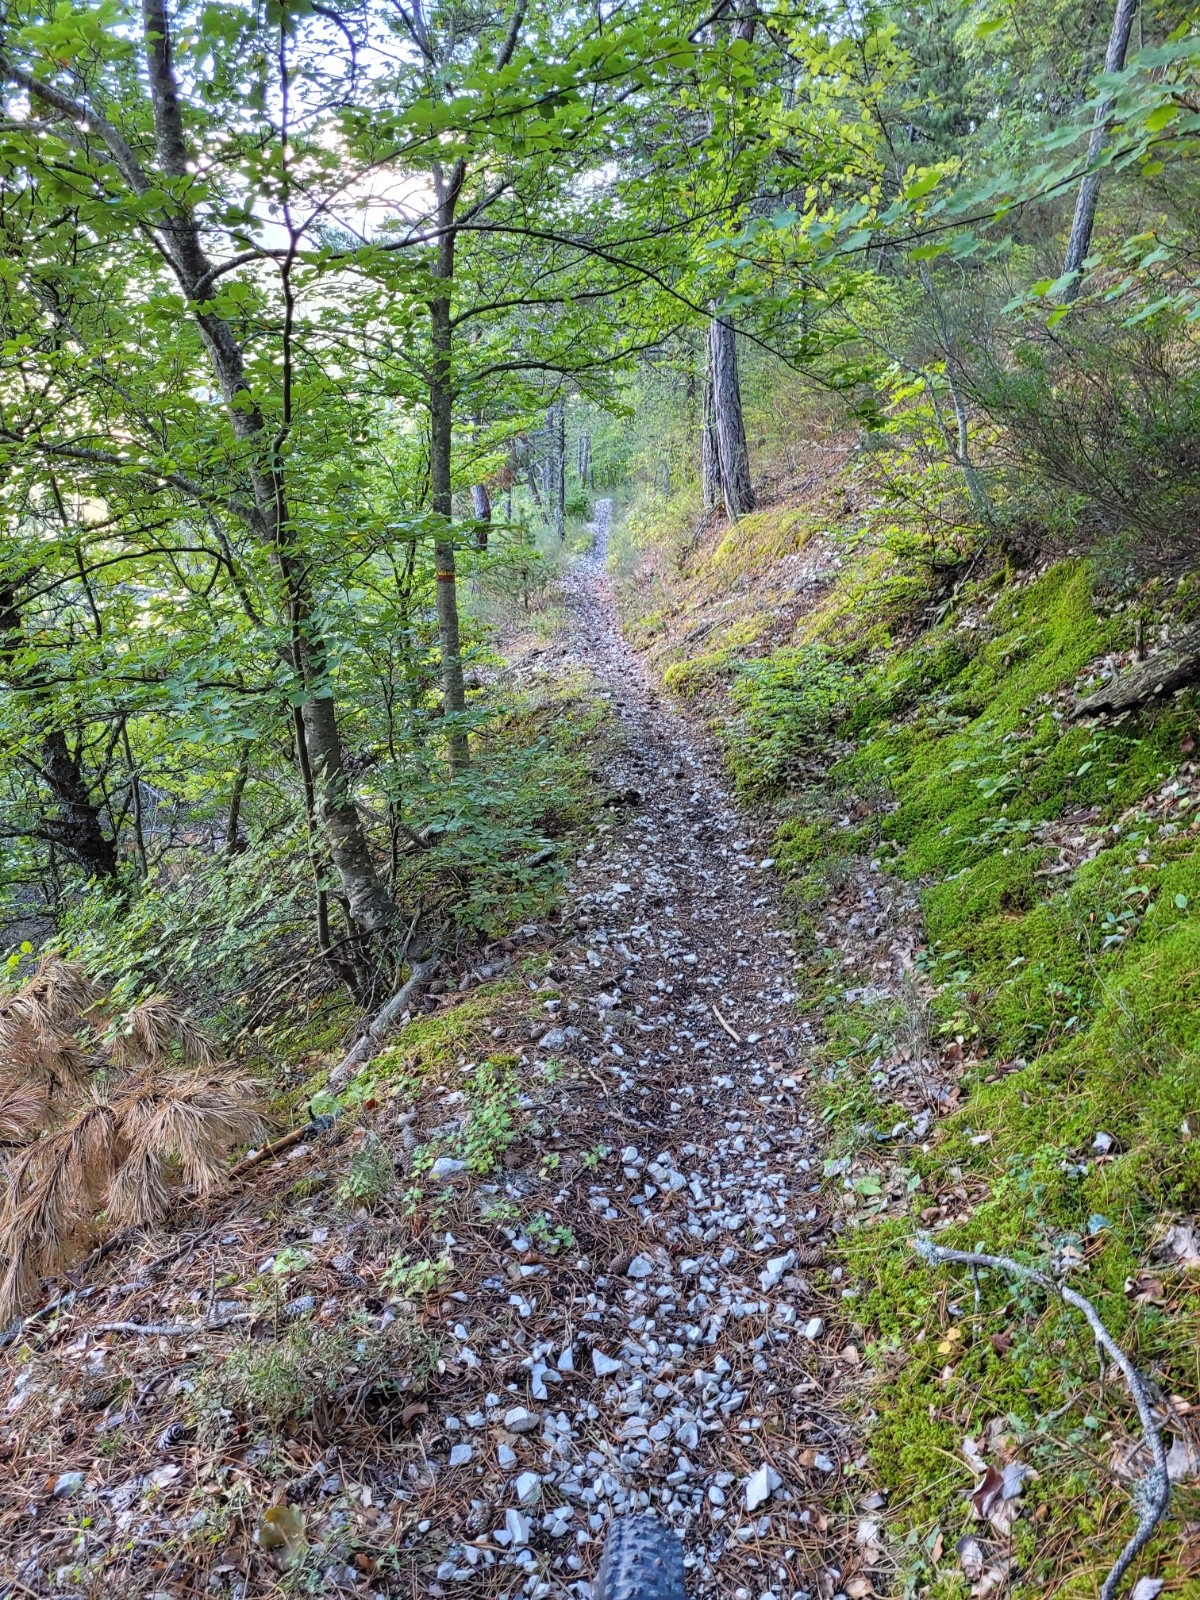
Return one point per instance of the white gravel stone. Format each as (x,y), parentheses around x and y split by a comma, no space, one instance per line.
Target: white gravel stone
(760,1486)
(521,1420)
(460,1455)
(604,1365)
(447,1167)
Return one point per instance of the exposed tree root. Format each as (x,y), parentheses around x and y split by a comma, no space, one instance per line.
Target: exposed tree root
(1152,1494)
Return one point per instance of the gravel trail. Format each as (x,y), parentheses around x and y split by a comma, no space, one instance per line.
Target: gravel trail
(709,1356)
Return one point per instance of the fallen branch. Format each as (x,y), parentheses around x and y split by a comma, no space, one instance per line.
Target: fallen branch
(13,1332)
(1173,667)
(301,1135)
(170,1330)
(370,1041)
(1152,1494)
(736,1037)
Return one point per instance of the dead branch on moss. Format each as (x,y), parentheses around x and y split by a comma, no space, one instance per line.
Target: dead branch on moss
(301,1135)
(371,1040)
(1152,1495)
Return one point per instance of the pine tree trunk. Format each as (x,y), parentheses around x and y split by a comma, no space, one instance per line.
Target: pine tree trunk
(1080,242)
(441,436)
(732,453)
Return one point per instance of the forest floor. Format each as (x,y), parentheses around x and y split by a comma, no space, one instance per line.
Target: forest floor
(595,1295)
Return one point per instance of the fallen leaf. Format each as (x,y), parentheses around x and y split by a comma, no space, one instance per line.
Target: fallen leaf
(858,1586)
(1180,1243)
(972,1456)
(971,1557)
(985,1493)
(1146,1589)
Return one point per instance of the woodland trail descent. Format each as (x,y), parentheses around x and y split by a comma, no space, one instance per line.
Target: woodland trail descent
(647,1338)
(703,1329)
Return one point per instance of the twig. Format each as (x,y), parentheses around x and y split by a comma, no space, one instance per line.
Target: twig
(169,1330)
(736,1037)
(368,1042)
(1152,1494)
(310,1130)
(13,1332)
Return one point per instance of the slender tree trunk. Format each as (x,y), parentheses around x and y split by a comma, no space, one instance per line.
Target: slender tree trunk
(233,817)
(733,455)
(441,438)
(558,445)
(1080,242)
(481,504)
(369,904)
(710,452)
(481,500)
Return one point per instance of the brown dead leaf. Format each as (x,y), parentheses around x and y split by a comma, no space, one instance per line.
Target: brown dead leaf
(1180,1245)
(858,1586)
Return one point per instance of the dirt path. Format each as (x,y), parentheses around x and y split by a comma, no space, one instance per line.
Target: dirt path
(710,1400)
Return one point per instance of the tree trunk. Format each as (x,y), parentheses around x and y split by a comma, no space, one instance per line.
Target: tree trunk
(441,437)
(234,843)
(710,453)
(733,456)
(1080,242)
(481,504)
(481,500)
(560,477)
(369,904)
(76,828)
(73,825)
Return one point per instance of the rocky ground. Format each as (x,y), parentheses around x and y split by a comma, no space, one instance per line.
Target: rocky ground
(655,1341)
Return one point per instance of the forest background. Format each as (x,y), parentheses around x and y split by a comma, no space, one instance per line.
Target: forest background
(324,328)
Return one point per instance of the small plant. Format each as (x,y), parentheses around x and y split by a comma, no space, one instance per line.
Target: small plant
(549,1236)
(416,1280)
(501,1213)
(314,1374)
(371,1175)
(492,1125)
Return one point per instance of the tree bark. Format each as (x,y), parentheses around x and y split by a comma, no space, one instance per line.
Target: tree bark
(1080,242)
(733,455)
(481,500)
(441,438)
(710,452)
(73,826)
(558,444)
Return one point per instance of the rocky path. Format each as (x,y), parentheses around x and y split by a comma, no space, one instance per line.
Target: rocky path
(708,1357)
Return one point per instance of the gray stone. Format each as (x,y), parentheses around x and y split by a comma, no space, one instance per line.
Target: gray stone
(521,1420)
(760,1486)
(447,1167)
